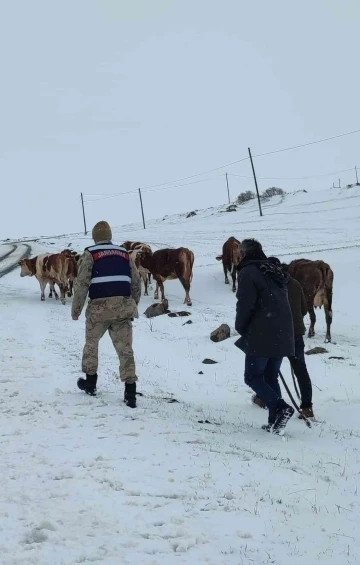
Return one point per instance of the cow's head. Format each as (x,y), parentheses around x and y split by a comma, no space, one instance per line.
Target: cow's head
(27,267)
(71,254)
(144,258)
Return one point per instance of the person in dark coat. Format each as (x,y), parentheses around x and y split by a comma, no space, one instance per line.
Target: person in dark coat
(299,309)
(264,321)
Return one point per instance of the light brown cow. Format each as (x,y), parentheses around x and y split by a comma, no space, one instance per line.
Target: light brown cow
(230,259)
(28,269)
(170,264)
(137,245)
(144,273)
(52,290)
(129,245)
(316,278)
(48,269)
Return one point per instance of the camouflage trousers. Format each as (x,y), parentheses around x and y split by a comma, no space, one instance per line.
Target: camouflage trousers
(120,331)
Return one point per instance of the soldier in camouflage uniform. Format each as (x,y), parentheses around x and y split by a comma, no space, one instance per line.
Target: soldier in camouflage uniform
(109,276)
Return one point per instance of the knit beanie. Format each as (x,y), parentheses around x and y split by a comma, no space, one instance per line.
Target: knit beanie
(101,232)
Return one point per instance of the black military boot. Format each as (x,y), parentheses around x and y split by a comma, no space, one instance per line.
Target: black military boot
(130,395)
(88,385)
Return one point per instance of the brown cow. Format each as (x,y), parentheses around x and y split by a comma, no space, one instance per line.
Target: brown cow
(48,269)
(316,278)
(73,269)
(230,259)
(170,264)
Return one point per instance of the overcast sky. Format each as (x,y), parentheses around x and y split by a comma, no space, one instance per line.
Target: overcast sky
(104,96)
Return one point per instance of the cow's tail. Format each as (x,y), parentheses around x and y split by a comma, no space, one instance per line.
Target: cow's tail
(323,296)
(319,299)
(329,280)
(191,265)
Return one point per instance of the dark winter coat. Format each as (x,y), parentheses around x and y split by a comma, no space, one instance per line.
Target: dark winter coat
(263,315)
(298,306)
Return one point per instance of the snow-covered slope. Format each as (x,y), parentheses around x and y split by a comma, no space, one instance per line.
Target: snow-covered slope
(194,481)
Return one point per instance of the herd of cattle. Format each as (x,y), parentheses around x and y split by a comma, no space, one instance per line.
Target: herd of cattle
(316,277)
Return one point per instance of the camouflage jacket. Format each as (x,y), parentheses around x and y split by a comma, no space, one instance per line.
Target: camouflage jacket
(108,308)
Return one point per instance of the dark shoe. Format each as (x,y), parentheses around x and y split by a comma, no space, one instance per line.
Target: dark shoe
(283,415)
(88,385)
(130,395)
(307,413)
(257,401)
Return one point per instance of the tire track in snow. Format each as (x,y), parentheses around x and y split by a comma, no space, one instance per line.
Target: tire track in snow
(6,255)
(13,265)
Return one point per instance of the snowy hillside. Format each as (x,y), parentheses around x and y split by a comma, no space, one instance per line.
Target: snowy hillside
(86,480)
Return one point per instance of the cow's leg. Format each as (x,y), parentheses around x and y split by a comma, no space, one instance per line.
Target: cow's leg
(162,290)
(52,290)
(312,319)
(145,280)
(233,276)
(42,288)
(186,285)
(70,289)
(62,287)
(328,314)
(159,285)
(225,273)
(156,293)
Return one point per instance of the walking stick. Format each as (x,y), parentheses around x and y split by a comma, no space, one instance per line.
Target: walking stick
(307,422)
(294,381)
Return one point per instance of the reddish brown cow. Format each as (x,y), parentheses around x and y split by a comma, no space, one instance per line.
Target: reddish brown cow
(316,278)
(170,264)
(48,269)
(230,259)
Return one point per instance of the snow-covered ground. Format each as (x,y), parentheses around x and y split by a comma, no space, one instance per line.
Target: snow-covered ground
(87,480)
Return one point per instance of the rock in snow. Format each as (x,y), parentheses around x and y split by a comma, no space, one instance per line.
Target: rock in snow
(221,333)
(316,351)
(157,309)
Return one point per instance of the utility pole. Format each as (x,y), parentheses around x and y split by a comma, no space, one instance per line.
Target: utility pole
(256,184)
(142,209)
(357,178)
(83,211)
(227,184)
(339,184)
